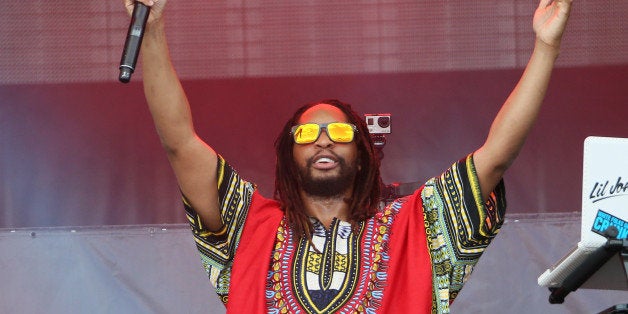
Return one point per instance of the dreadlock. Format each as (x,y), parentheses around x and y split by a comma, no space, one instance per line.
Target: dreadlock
(365,199)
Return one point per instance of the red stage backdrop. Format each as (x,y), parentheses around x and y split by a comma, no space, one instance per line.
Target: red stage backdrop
(78,148)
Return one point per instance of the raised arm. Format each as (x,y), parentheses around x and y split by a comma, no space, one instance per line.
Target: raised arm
(192,160)
(519,113)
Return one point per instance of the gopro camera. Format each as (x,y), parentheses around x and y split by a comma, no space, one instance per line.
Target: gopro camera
(378,123)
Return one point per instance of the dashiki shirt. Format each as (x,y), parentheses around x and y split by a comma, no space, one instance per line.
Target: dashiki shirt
(414,255)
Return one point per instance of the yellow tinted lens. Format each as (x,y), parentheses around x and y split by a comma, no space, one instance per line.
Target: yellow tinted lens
(340,132)
(306,133)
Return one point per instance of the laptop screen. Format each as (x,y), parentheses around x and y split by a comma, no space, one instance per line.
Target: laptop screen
(604,204)
(604,189)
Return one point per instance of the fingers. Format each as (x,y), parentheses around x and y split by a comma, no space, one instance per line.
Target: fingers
(565,5)
(145,2)
(558,3)
(562,8)
(544,3)
(131,3)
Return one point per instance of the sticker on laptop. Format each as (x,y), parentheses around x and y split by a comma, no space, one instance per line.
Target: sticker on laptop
(603,220)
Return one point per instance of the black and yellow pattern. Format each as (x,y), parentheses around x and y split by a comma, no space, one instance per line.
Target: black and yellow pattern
(344,270)
(459,227)
(217,249)
(299,282)
(329,278)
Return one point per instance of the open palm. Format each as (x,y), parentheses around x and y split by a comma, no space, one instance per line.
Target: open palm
(550,19)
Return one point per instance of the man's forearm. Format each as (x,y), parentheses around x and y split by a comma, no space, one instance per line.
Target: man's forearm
(515,119)
(519,113)
(165,96)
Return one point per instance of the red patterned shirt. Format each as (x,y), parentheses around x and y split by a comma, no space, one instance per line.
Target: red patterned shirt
(414,255)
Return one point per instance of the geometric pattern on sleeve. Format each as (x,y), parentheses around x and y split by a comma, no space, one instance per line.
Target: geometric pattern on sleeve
(217,249)
(459,227)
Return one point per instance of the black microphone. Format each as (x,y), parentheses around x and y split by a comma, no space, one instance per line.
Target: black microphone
(133,41)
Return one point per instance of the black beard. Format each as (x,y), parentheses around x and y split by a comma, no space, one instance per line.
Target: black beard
(328,186)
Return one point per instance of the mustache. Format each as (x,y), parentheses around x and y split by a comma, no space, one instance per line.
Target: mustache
(340,160)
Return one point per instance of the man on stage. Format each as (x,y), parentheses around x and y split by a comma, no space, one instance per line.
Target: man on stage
(323,244)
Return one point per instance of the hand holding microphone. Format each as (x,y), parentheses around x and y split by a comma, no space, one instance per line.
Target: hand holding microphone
(133,42)
(140,11)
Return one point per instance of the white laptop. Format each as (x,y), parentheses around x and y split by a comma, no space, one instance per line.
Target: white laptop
(604,203)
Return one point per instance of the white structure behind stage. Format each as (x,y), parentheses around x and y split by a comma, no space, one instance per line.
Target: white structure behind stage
(156,269)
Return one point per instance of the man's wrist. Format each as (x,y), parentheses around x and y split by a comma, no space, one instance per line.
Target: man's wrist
(546,49)
(155,27)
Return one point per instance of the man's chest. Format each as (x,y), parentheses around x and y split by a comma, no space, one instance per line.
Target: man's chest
(340,269)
